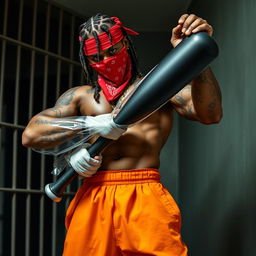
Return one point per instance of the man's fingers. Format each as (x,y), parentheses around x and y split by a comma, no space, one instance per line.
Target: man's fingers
(204,27)
(194,25)
(182,18)
(94,162)
(188,21)
(177,30)
(189,24)
(99,158)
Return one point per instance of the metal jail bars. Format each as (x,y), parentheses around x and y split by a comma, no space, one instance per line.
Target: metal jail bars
(38,62)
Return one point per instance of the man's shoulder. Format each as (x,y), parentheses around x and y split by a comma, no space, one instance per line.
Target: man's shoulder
(81,87)
(75,94)
(85,92)
(80,91)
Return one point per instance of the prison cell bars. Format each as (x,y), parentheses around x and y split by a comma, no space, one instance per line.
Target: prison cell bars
(16,127)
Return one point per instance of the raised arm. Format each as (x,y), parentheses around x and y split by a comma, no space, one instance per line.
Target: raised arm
(201,99)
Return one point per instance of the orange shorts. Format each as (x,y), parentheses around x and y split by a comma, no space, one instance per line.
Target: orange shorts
(124,213)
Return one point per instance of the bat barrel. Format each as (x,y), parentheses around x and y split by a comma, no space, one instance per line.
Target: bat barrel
(177,69)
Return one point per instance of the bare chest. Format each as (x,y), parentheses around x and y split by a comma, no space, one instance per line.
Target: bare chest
(146,135)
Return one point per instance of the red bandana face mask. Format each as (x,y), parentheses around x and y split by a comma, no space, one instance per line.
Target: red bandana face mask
(114,73)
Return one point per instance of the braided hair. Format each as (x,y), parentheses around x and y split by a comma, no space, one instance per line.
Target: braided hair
(92,28)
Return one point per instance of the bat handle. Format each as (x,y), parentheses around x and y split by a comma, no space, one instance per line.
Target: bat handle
(55,190)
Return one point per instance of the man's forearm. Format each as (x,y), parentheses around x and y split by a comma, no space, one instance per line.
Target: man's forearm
(206,96)
(46,132)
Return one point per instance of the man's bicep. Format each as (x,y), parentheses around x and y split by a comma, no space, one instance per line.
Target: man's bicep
(183,104)
(57,112)
(66,105)
(182,98)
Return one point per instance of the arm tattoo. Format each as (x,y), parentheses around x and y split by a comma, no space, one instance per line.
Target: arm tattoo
(43,122)
(56,110)
(56,136)
(65,99)
(179,99)
(189,112)
(203,77)
(54,122)
(211,107)
(182,100)
(207,77)
(64,123)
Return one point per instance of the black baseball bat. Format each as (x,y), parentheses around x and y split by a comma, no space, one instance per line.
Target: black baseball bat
(176,70)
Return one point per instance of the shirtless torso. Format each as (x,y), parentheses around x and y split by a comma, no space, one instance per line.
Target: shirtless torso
(138,147)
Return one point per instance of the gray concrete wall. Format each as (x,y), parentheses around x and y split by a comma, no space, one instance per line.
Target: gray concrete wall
(217,164)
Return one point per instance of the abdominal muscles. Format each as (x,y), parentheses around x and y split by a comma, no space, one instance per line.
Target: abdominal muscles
(140,146)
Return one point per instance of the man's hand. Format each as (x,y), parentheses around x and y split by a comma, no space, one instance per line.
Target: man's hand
(83,163)
(189,24)
(104,126)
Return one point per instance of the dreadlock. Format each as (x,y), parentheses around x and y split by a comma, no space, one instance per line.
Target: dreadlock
(93,27)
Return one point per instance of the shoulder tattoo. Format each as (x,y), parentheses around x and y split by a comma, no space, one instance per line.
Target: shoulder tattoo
(66,98)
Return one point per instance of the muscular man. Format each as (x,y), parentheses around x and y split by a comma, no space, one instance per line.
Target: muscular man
(122,208)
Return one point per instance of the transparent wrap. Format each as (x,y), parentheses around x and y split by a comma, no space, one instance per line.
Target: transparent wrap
(86,127)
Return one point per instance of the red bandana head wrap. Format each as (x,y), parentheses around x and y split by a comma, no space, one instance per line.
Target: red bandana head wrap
(90,45)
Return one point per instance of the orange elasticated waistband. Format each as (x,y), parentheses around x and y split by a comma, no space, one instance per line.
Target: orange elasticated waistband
(125,176)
